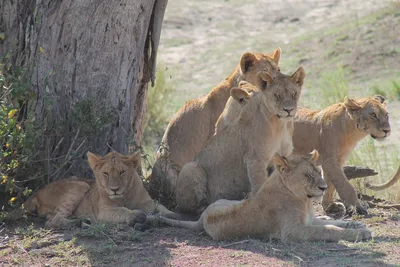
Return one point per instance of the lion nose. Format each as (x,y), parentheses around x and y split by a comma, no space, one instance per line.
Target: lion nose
(115,190)
(288,110)
(323,188)
(387,132)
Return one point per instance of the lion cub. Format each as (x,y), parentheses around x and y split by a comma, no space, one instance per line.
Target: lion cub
(234,160)
(282,209)
(334,132)
(117,195)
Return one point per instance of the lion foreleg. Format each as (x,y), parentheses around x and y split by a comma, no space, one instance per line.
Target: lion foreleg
(328,233)
(120,215)
(257,173)
(338,223)
(334,174)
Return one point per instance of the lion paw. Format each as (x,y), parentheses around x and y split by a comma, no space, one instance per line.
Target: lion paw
(362,208)
(355,225)
(359,208)
(137,216)
(336,210)
(364,234)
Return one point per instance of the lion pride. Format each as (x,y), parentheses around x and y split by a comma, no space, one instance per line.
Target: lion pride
(194,124)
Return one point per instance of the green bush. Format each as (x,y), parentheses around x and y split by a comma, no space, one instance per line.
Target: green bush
(13,129)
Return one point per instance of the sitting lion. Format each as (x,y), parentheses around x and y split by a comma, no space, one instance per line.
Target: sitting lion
(234,161)
(117,195)
(282,208)
(235,104)
(334,132)
(193,125)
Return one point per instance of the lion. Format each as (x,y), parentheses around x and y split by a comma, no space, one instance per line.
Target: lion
(193,125)
(116,195)
(235,104)
(334,132)
(235,160)
(281,209)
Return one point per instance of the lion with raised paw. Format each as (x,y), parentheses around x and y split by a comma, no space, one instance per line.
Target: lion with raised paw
(334,132)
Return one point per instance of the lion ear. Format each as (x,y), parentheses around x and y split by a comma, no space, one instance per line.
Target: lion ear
(381,99)
(314,156)
(282,164)
(93,160)
(276,55)
(298,76)
(134,159)
(240,95)
(352,107)
(247,61)
(264,80)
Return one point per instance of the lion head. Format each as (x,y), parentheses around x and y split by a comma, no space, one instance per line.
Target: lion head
(300,175)
(284,90)
(370,115)
(252,63)
(114,172)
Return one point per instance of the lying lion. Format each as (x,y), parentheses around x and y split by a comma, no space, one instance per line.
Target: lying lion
(234,161)
(193,125)
(117,195)
(334,132)
(282,208)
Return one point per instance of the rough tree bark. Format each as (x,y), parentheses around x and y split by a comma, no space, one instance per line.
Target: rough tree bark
(89,63)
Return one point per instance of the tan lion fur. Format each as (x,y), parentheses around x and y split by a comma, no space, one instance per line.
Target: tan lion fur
(234,161)
(193,125)
(117,195)
(334,132)
(282,209)
(388,184)
(235,104)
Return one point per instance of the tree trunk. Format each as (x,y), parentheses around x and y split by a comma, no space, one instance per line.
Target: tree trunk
(88,63)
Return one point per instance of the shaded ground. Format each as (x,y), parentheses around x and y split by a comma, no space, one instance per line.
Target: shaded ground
(122,246)
(201,43)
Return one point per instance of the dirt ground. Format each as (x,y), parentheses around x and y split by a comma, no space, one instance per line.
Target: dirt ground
(201,43)
(23,244)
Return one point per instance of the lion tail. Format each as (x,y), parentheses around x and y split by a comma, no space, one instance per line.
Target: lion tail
(192,225)
(391,182)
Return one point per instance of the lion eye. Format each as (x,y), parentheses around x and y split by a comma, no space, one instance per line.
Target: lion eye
(277,96)
(310,177)
(121,173)
(373,115)
(294,94)
(105,174)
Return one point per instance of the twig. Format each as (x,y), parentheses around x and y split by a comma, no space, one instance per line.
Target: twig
(235,243)
(101,232)
(341,249)
(57,146)
(73,143)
